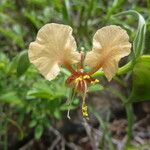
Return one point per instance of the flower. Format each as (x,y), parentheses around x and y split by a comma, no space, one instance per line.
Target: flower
(55,47)
(110,44)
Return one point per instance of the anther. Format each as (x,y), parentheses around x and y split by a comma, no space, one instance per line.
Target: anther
(78,79)
(86,77)
(95,81)
(85,111)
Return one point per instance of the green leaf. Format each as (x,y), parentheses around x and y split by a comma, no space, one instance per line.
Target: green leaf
(138,43)
(12,66)
(13,36)
(32,18)
(40,94)
(67,11)
(10,98)
(73,105)
(38,132)
(147,40)
(131,148)
(47,90)
(32,123)
(141,80)
(23,63)
(4,17)
(57,114)
(96,87)
(115,6)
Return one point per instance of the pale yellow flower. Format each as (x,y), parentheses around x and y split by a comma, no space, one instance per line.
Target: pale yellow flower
(55,46)
(110,44)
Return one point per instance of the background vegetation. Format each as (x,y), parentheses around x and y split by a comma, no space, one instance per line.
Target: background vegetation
(33,110)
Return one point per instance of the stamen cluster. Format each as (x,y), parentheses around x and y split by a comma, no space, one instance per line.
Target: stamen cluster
(80,81)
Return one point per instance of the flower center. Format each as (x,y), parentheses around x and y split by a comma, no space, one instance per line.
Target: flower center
(80,81)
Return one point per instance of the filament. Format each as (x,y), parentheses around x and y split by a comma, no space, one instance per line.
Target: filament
(84,106)
(69,102)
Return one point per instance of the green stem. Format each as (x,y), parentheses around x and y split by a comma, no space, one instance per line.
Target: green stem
(122,70)
(130,119)
(126,68)
(129,113)
(148,3)
(5,137)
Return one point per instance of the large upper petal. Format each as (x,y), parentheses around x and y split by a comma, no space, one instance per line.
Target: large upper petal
(110,44)
(54,46)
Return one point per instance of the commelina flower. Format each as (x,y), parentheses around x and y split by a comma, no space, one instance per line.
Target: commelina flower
(55,47)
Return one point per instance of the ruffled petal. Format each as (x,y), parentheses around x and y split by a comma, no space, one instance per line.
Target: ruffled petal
(110,44)
(54,46)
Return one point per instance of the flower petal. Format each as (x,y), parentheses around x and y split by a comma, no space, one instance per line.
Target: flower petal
(54,46)
(110,44)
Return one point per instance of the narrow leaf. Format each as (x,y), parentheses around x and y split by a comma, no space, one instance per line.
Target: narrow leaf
(138,43)
(38,131)
(23,63)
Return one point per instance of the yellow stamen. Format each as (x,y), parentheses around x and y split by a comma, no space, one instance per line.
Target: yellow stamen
(85,111)
(86,77)
(92,82)
(84,106)
(78,79)
(95,81)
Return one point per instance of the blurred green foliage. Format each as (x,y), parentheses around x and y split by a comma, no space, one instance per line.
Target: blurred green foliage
(141,80)
(30,95)
(24,94)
